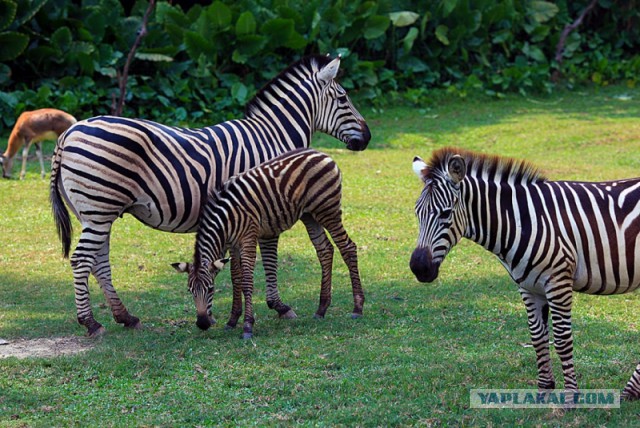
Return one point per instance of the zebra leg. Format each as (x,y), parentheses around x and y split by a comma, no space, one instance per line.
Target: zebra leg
(102,272)
(538,317)
(236,280)
(349,253)
(324,251)
(632,390)
(248,259)
(82,262)
(269,251)
(560,306)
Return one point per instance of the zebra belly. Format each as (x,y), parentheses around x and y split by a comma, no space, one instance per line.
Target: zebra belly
(275,224)
(147,214)
(608,279)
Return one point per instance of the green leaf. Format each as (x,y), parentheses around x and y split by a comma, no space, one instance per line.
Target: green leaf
(219,15)
(196,45)
(168,14)
(27,10)
(407,42)
(542,11)
(155,57)
(246,24)
(247,46)
(441,34)
(296,41)
(5,73)
(9,98)
(239,92)
(402,19)
(7,13)
(61,39)
(12,44)
(448,6)
(376,26)
(279,31)
(534,53)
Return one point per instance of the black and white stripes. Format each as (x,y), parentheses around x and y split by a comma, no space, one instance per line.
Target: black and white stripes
(553,237)
(106,166)
(260,204)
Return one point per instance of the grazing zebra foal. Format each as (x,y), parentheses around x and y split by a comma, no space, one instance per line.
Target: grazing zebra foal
(553,237)
(106,166)
(262,203)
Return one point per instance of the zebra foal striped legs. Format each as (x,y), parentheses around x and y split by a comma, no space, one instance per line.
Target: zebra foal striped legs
(257,206)
(553,237)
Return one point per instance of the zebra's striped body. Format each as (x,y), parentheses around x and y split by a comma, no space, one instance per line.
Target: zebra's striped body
(105,167)
(260,204)
(553,237)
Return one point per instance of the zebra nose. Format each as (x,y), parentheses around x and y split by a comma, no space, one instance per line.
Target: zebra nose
(422,265)
(203,322)
(360,143)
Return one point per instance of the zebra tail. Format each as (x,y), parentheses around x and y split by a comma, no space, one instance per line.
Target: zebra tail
(60,212)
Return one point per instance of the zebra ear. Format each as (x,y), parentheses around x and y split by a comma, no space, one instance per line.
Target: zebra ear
(329,71)
(420,168)
(457,169)
(219,264)
(182,267)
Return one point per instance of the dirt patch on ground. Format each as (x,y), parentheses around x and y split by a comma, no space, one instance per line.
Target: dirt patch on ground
(44,347)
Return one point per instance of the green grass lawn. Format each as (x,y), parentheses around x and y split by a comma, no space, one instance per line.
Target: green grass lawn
(411,360)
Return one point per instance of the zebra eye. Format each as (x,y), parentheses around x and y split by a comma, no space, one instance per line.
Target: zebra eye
(444,214)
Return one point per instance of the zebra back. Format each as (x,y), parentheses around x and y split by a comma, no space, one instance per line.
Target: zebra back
(268,200)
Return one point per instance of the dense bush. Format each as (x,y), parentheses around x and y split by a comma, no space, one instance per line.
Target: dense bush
(201,65)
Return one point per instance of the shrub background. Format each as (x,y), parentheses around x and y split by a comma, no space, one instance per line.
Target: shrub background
(201,60)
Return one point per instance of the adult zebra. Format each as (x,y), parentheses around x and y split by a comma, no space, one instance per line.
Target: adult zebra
(106,166)
(263,202)
(554,237)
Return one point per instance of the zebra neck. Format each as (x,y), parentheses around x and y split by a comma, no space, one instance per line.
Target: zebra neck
(284,123)
(212,238)
(489,214)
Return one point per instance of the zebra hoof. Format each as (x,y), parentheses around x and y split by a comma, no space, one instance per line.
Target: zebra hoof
(355,316)
(289,315)
(318,316)
(136,326)
(97,332)
(229,326)
(247,336)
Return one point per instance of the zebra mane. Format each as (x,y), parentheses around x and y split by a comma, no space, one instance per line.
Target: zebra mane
(296,72)
(479,163)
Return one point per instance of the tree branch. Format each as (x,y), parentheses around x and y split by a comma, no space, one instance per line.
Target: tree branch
(116,108)
(563,38)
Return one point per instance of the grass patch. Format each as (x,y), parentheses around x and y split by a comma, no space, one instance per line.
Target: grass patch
(410,361)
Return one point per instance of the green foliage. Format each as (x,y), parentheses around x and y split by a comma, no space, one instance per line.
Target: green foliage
(210,59)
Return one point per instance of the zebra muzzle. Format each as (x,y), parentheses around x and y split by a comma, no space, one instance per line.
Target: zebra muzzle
(423,266)
(360,143)
(203,322)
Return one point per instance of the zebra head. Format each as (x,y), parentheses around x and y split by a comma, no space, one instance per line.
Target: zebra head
(441,215)
(201,286)
(336,114)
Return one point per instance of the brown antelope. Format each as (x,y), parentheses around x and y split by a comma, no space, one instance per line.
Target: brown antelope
(33,127)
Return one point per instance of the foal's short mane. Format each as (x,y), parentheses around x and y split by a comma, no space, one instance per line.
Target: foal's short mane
(305,66)
(477,163)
